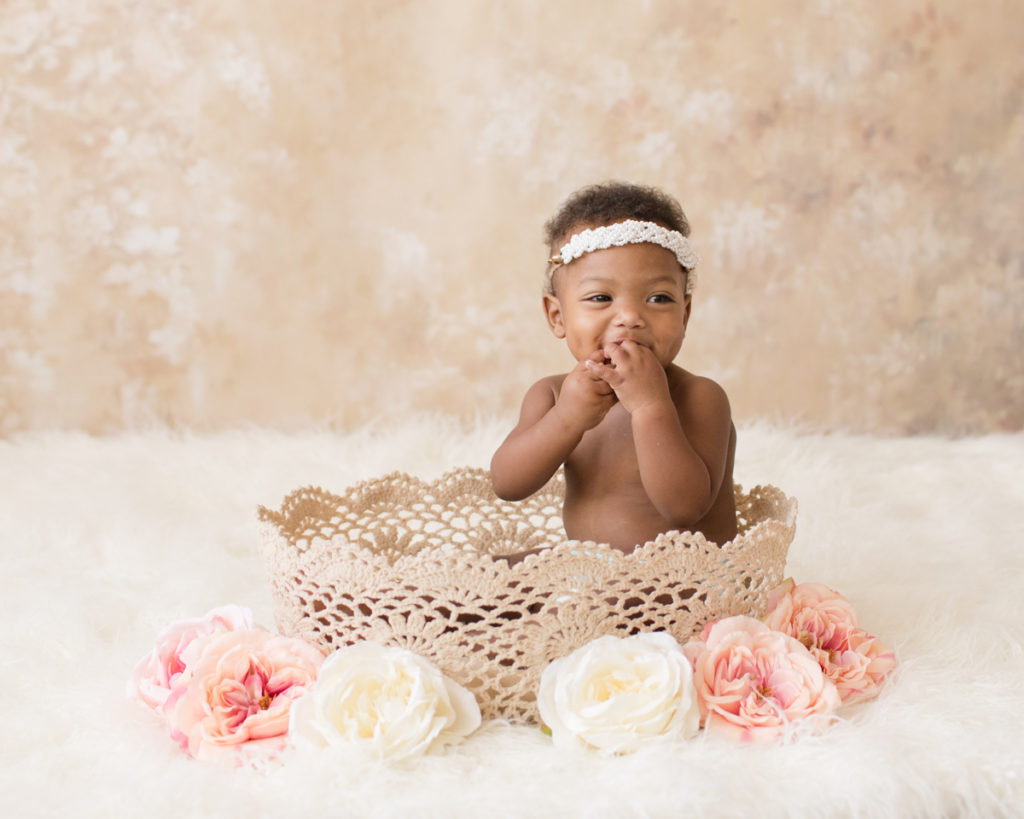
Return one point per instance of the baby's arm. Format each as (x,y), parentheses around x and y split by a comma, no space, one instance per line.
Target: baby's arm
(550,426)
(681,441)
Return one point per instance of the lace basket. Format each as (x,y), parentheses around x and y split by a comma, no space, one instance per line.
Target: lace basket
(417,565)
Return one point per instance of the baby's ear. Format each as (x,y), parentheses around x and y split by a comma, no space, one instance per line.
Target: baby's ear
(553,313)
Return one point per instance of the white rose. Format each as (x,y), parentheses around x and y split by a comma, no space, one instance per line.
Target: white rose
(613,694)
(385,701)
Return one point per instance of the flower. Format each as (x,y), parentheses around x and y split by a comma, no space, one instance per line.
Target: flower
(237,689)
(811,612)
(614,694)
(859,671)
(752,682)
(825,622)
(156,674)
(385,702)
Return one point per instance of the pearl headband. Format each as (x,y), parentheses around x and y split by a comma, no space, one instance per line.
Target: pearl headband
(630,232)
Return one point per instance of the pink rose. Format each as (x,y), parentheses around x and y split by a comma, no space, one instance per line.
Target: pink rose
(754,684)
(825,622)
(156,674)
(859,670)
(238,689)
(813,613)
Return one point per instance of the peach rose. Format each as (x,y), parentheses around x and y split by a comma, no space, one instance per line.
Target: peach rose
(825,622)
(754,684)
(237,689)
(815,614)
(155,674)
(859,670)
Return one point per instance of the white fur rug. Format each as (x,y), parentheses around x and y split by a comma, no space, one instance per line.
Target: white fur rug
(107,540)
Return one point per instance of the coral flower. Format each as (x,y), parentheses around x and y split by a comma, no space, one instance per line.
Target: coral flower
(238,689)
(754,684)
(158,672)
(825,622)
(859,670)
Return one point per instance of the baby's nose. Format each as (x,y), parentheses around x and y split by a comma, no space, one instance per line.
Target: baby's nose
(629,314)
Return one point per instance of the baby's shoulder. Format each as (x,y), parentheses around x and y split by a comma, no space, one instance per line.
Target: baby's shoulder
(697,393)
(543,394)
(549,384)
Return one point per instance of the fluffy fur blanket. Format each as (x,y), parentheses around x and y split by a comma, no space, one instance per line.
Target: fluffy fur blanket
(107,540)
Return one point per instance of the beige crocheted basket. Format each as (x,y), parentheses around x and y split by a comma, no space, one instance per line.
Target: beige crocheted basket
(416,564)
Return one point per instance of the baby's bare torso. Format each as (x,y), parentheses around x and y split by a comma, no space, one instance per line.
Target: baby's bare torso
(605,499)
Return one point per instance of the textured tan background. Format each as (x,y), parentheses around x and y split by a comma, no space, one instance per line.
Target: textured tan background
(307,212)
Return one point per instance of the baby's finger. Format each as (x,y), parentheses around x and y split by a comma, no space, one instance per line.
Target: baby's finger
(616,354)
(606,373)
(617,347)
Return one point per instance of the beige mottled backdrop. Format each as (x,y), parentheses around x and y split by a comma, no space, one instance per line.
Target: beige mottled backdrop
(306,212)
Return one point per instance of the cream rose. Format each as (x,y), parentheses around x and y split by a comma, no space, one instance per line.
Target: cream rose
(614,694)
(384,701)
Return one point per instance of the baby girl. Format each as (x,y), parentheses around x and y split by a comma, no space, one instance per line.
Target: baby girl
(647,446)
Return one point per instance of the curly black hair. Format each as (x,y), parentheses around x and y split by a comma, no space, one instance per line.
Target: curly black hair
(609,202)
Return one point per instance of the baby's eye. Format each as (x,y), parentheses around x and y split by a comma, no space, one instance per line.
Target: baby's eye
(598,297)
(661,298)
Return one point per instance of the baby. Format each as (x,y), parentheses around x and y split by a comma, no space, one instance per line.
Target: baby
(647,446)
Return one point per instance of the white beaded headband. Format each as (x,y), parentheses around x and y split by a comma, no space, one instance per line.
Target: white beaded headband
(630,232)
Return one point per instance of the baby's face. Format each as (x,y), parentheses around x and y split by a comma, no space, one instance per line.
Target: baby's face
(633,292)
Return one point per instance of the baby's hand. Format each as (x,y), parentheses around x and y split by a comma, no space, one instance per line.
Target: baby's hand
(634,373)
(585,397)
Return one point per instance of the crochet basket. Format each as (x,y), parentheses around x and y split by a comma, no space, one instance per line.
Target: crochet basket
(414,564)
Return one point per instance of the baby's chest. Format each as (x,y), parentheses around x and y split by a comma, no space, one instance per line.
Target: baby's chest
(606,453)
